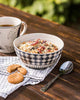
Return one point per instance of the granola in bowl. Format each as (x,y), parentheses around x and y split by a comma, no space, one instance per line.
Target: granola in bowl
(38,46)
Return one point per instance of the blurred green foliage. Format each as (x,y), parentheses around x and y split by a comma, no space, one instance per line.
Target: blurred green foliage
(61,11)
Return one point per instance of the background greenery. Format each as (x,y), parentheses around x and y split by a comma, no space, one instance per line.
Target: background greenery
(62,11)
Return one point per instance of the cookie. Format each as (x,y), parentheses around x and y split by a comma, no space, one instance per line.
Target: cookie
(22,70)
(13,67)
(15,78)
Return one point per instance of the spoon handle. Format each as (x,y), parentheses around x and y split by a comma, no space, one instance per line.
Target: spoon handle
(50,83)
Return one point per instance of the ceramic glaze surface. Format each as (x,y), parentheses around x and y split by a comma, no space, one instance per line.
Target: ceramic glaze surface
(8,34)
(38,60)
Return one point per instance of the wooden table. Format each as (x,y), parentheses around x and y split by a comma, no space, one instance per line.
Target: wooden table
(66,87)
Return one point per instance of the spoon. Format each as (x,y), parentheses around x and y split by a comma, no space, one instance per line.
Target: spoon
(65,68)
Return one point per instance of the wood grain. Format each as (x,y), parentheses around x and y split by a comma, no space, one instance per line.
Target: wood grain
(66,87)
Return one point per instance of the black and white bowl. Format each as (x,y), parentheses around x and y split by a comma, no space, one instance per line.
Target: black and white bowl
(38,60)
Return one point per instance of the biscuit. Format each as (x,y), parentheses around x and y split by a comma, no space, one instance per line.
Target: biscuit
(13,67)
(15,78)
(22,70)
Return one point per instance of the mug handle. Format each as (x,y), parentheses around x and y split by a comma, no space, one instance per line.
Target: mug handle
(24,28)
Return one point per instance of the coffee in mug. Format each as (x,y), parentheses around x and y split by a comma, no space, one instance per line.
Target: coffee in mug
(9,30)
(6,25)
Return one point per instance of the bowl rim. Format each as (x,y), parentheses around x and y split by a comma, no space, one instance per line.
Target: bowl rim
(35,53)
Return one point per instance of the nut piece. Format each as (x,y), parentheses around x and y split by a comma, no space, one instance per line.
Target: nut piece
(22,70)
(13,67)
(15,78)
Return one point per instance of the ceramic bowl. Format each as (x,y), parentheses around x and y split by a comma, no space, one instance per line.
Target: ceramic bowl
(38,60)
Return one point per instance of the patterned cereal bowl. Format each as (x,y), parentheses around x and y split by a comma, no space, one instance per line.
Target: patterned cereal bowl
(38,60)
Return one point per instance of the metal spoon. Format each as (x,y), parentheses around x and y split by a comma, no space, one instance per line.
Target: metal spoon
(65,68)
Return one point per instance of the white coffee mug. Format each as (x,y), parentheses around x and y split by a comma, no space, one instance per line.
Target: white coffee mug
(9,33)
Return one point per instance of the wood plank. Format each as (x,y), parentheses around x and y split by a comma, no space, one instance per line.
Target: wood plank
(24,93)
(59,90)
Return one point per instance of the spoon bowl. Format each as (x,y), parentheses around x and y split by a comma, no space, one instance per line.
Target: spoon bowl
(66,67)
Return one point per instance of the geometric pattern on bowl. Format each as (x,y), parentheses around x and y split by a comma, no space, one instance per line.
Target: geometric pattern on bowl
(37,60)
